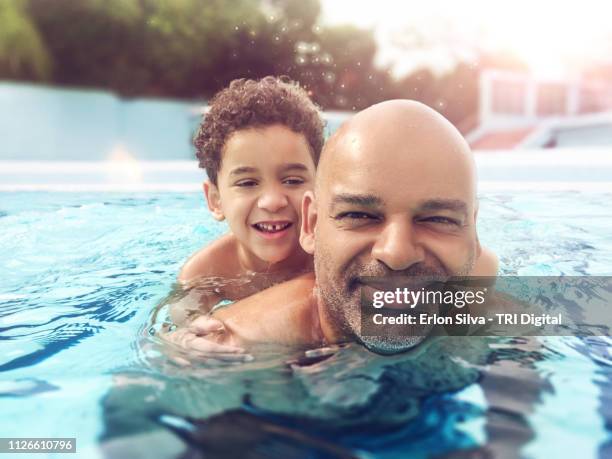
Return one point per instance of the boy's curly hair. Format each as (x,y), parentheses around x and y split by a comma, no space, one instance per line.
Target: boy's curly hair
(251,104)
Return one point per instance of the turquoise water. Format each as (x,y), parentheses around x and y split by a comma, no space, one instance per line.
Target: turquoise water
(81,274)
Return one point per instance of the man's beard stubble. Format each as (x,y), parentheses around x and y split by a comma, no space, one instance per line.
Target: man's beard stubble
(341,298)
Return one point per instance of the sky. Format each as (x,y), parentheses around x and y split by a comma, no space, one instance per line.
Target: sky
(555,38)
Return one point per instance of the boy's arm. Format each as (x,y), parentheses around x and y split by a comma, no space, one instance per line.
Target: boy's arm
(217,260)
(205,262)
(215,272)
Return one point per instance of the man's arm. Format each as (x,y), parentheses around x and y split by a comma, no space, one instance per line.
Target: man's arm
(192,304)
(198,341)
(284,314)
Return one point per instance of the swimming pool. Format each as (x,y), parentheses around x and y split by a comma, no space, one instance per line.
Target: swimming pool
(81,273)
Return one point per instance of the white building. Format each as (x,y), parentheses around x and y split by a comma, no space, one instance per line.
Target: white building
(519,110)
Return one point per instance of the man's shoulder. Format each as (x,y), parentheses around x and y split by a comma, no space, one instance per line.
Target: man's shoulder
(487,263)
(216,259)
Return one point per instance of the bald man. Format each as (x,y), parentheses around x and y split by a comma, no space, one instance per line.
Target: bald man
(395,196)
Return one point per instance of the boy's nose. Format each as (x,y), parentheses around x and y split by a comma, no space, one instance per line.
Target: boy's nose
(272,200)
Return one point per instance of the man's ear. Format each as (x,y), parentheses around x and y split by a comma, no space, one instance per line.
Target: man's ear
(214,200)
(478,246)
(309,222)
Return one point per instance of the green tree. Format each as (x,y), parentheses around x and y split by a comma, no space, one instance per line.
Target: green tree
(192,41)
(454,94)
(193,48)
(338,67)
(457,96)
(91,41)
(23,54)
(154,47)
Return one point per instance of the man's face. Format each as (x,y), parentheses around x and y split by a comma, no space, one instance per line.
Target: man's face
(389,204)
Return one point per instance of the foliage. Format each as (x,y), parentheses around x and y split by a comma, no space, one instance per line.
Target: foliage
(154,47)
(455,94)
(192,48)
(23,54)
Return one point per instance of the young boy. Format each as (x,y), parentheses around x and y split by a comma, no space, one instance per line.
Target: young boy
(260,144)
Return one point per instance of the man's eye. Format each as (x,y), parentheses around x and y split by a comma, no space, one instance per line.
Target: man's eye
(355,216)
(246,183)
(293,181)
(442,221)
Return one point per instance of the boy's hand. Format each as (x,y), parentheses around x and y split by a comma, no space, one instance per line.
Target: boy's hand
(199,340)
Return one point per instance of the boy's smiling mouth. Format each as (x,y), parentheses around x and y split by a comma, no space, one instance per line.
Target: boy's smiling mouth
(272,228)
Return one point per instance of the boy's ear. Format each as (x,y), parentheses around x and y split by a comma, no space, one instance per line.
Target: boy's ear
(214,200)
(309,222)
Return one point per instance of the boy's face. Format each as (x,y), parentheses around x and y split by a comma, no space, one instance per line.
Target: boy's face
(263,176)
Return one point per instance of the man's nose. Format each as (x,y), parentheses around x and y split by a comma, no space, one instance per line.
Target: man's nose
(397,246)
(272,199)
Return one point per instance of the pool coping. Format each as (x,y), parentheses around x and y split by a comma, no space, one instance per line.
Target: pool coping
(512,170)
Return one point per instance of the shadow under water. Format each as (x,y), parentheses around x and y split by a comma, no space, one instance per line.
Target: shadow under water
(451,397)
(349,403)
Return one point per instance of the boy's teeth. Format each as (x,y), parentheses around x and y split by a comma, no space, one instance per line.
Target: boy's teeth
(271,227)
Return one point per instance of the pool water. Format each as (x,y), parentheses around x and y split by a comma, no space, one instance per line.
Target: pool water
(81,274)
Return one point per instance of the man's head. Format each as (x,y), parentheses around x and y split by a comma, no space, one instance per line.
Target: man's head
(395,196)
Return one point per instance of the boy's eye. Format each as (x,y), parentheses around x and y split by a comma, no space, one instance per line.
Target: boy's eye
(293,181)
(246,183)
